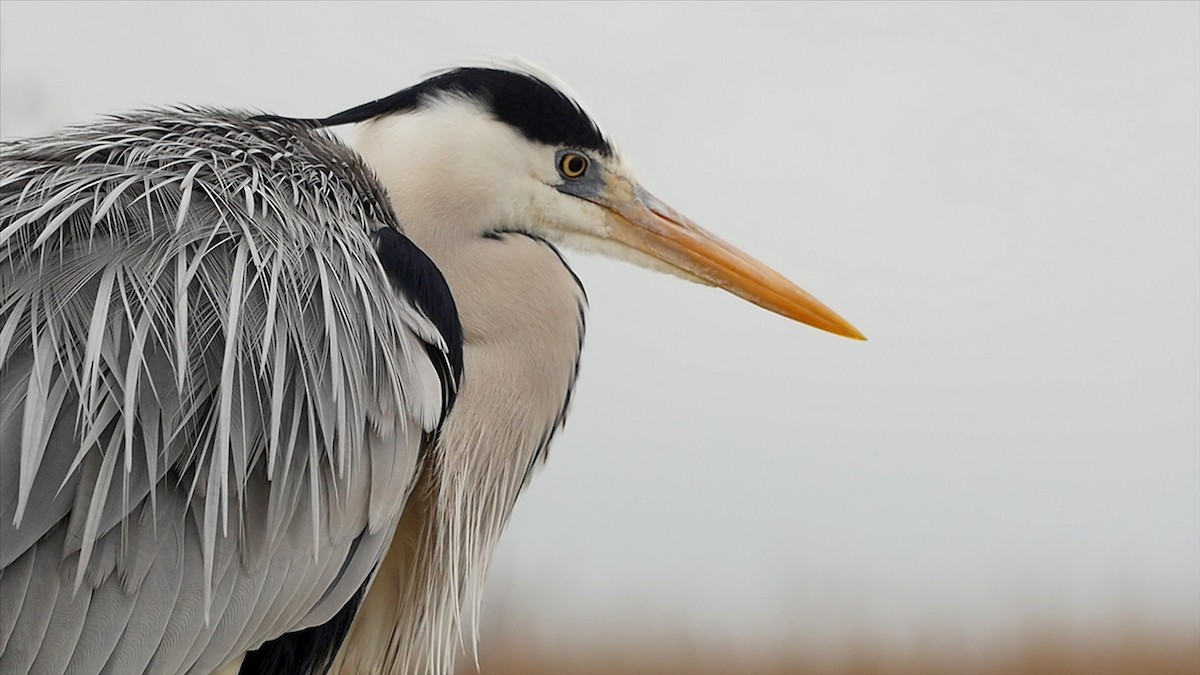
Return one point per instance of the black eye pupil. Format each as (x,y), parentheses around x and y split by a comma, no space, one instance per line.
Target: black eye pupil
(574,165)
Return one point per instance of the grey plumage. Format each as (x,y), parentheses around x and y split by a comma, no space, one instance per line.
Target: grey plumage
(211,398)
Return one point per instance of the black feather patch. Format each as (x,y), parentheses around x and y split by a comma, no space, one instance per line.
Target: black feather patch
(536,109)
(305,652)
(420,282)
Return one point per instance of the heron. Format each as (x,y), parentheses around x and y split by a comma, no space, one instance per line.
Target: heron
(268,396)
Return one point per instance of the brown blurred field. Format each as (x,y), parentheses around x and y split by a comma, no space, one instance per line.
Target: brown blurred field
(1039,650)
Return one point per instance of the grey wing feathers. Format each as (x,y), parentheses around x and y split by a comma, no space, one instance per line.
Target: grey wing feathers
(211,398)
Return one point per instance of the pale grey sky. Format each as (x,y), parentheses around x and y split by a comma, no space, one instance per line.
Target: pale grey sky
(1004,197)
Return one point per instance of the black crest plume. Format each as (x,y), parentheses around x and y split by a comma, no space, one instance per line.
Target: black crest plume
(535,108)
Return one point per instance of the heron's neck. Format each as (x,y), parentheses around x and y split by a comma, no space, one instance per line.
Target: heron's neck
(522,313)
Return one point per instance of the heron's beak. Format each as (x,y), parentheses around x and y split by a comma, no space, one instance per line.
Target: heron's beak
(644,223)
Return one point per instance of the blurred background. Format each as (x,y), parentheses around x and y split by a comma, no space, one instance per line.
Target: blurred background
(1004,197)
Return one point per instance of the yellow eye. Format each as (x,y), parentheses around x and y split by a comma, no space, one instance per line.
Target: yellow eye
(572,165)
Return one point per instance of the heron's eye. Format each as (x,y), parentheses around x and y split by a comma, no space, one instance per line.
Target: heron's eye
(572,165)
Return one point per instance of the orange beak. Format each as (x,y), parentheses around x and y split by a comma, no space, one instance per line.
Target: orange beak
(642,222)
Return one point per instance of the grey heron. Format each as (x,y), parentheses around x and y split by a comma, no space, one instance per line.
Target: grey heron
(268,398)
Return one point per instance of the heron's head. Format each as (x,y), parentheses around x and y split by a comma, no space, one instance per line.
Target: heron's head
(478,150)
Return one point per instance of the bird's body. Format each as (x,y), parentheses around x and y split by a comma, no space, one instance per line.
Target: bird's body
(266,401)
